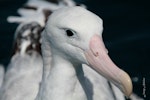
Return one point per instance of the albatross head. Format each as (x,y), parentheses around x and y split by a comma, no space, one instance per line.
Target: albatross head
(76,34)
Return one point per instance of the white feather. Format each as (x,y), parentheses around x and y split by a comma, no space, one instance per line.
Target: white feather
(22,78)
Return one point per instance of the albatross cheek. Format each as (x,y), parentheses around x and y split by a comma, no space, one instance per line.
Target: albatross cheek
(99,60)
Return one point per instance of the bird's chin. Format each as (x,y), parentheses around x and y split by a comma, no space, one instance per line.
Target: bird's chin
(99,60)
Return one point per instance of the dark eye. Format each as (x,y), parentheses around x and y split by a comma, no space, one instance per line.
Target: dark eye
(69,33)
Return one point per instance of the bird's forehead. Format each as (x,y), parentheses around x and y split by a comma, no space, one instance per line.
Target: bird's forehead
(77,17)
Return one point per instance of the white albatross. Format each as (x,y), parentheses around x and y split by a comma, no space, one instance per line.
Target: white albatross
(24,72)
(72,37)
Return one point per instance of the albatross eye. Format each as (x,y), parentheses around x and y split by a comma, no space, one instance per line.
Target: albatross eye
(69,33)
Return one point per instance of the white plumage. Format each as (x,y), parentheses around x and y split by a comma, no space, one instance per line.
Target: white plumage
(22,78)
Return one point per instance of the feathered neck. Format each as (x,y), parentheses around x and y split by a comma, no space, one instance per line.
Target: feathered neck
(60,77)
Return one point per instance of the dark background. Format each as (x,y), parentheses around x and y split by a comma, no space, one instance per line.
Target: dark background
(126,35)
